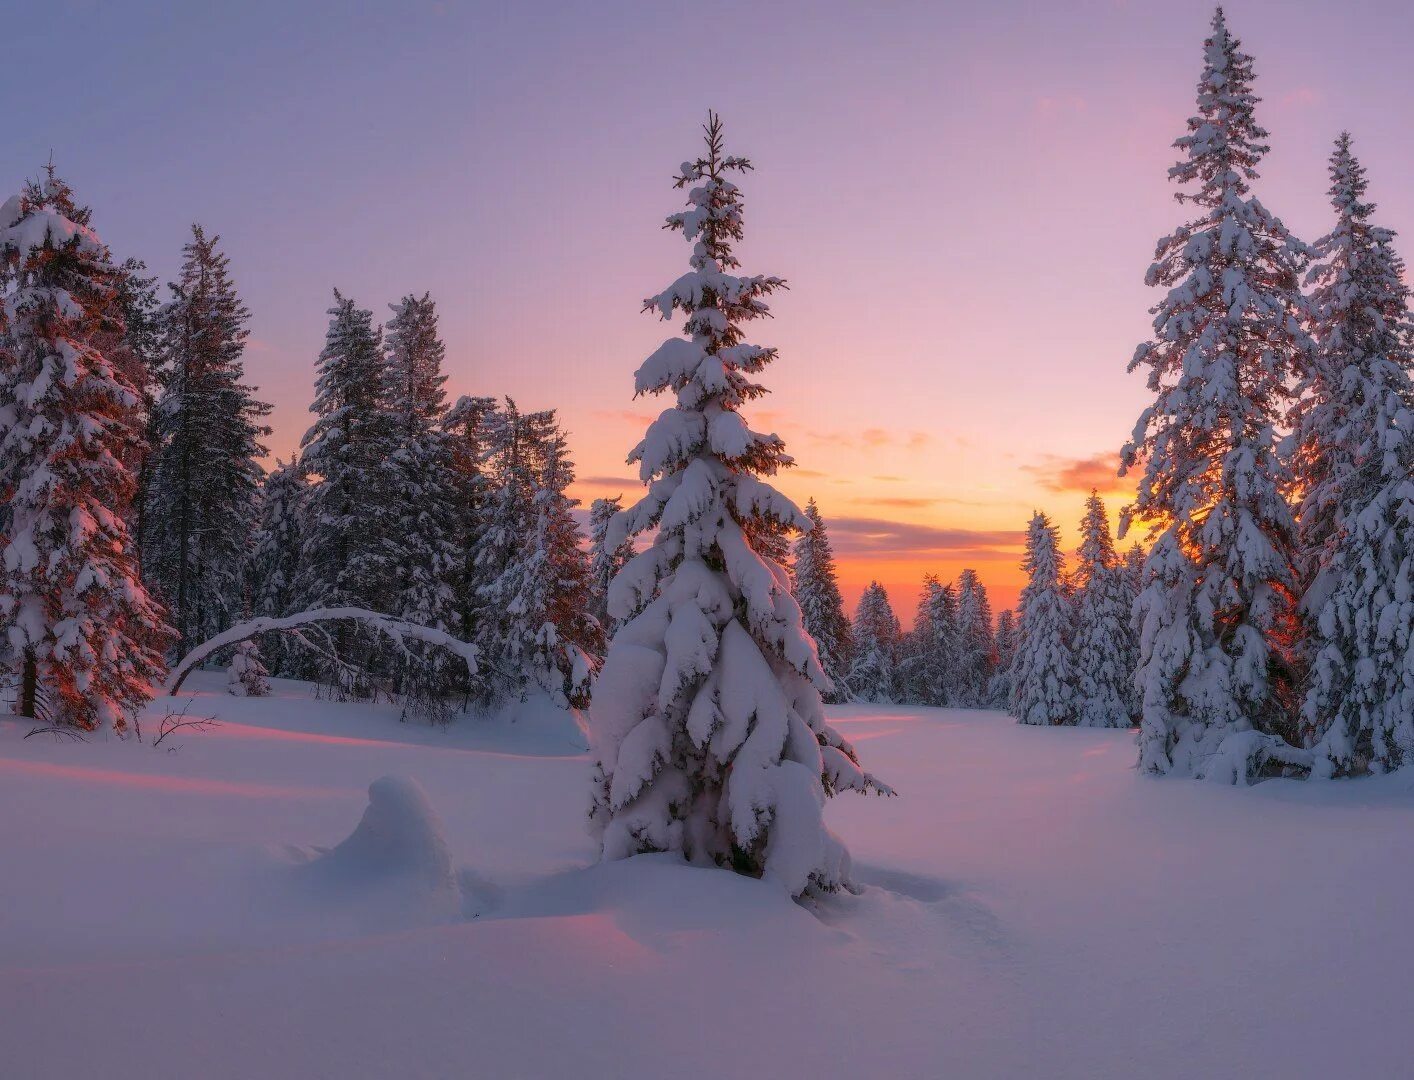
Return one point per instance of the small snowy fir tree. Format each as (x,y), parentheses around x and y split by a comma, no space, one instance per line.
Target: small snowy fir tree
(1042,676)
(246,675)
(80,629)
(817,591)
(348,551)
(929,663)
(976,644)
(1216,612)
(422,518)
(202,508)
(1354,461)
(605,562)
(999,689)
(873,675)
(1132,568)
(707,725)
(1103,642)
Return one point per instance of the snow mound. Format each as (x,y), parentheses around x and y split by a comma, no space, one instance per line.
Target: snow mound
(396,865)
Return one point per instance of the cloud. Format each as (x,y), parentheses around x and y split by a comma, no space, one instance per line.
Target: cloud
(625,416)
(1062,474)
(867,536)
(874,438)
(610,483)
(1302,95)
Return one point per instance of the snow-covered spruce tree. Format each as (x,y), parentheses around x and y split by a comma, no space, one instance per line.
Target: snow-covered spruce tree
(1102,641)
(707,724)
(817,591)
(275,555)
(468,425)
(1354,460)
(976,644)
(537,630)
(246,675)
(80,630)
(1216,612)
(202,508)
(999,689)
(347,555)
(1042,674)
(928,667)
(605,562)
(873,673)
(422,519)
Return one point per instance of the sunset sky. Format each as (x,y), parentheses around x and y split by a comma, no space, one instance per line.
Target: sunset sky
(964,199)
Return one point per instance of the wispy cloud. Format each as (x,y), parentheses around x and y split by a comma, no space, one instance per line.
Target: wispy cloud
(861,537)
(1063,474)
(609,483)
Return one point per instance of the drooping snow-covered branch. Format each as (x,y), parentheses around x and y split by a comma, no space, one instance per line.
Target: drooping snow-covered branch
(396,629)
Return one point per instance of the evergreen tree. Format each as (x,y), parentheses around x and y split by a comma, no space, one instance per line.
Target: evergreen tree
(1132,568)
(976,644)
(422,517)
(139,355)
(817,591)
(605,562)
(707,725)
(275,554)
(468,425)
(1103,642)
(202,508)
(1217,608)
(80,630)
(929,664)
(1354,459)
(999,690)
(873,676)
(538,629)
(1042,675)
(348,554)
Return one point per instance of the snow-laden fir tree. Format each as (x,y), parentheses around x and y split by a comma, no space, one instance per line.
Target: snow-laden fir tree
(1216,612)
(928,666)
(976,643)
(537,630)
(348,550)
(81,633)
(999,689)
(605,562)
(422,520)
(1353,463)
(1102,642)
(246,675)
(817,591)
(1042,672)
(469,424)
(202,508)
(707,724)
(275,556)
(878,636)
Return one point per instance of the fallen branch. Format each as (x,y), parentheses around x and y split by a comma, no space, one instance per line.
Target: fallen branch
(394,628)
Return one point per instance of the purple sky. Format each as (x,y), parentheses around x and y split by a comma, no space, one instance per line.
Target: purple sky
(963,197)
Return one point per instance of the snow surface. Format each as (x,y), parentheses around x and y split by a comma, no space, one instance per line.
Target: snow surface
(1033,907)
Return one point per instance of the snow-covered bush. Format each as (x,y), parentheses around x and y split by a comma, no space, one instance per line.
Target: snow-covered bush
(246,675)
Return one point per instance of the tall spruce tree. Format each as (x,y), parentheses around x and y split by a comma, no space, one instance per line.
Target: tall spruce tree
(422,518)
(874,675)
(1217,608)
(348,555)
(707,724)
(202,508)
(976,643)
(469,425)
(1103,642)
(1042,672)
(1354,459)
(81,633)
(817,591)
(605,562)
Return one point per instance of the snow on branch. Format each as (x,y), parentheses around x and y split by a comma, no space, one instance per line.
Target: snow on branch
(396,629)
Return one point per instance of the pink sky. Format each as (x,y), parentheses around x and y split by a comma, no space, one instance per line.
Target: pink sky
(963,197)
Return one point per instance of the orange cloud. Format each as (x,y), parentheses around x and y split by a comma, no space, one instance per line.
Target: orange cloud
(1062,474)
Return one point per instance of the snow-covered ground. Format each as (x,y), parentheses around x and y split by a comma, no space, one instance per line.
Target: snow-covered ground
(1034,909)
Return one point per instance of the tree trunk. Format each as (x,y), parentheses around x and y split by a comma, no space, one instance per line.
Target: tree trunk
(29,686)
